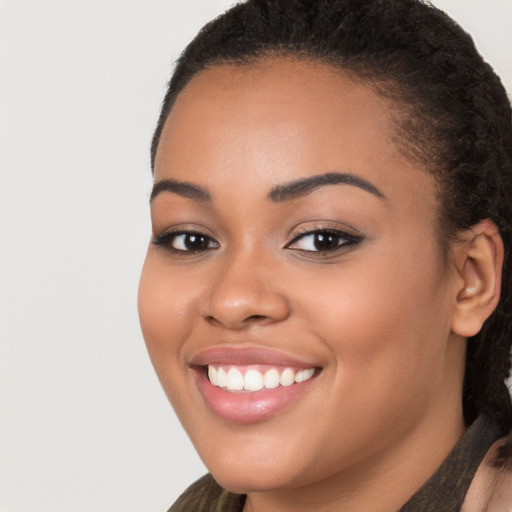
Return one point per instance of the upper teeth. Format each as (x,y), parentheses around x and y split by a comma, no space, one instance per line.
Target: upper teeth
(254,380)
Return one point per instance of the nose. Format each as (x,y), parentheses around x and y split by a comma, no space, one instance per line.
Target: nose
(243,293)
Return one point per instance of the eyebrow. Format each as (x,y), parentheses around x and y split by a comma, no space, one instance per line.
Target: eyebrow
(181,188)
(304,186)
(284,192)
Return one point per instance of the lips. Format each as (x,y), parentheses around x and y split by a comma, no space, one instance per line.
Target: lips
(247,385)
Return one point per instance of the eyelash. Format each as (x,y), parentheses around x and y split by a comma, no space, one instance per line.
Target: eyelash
(345,240)
(166,240)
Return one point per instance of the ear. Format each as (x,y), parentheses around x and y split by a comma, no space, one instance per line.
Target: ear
(478,260)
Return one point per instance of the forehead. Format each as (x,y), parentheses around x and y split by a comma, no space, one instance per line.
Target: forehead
(281,89)
(281,119)
(279,79)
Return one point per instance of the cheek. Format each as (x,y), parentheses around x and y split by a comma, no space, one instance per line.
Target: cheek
(385,321)
(386,326)
(165,309)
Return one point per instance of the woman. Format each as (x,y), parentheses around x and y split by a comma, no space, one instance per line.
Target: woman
(331,230)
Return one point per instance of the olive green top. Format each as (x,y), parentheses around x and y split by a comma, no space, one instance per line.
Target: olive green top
(444,491)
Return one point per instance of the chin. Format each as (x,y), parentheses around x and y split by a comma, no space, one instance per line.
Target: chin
(256,463)
(251,479)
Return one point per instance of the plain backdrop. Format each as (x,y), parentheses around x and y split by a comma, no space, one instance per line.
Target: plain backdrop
(84,425)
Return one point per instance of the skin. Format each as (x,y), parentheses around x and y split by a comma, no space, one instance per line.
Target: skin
(381,318)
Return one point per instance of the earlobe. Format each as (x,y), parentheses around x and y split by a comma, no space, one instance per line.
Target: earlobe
(479,260)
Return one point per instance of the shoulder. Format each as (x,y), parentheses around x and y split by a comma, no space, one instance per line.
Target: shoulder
(206,495)
(491,488)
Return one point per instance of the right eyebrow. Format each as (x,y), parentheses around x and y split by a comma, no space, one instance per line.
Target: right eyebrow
(181,188)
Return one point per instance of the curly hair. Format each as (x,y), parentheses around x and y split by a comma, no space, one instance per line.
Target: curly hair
(452,116)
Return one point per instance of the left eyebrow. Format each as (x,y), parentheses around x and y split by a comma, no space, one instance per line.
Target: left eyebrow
(304,186)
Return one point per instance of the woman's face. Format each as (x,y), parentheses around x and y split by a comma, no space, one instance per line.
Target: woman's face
(293,241)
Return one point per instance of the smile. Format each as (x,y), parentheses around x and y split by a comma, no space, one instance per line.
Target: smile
(250,379)
(251,384)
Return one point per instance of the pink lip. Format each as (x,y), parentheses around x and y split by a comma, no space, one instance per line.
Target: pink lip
(247,356)
(245,407)
(240,407)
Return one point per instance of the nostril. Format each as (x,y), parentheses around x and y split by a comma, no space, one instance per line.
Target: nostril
(244,321)
(255,318)
(212,320)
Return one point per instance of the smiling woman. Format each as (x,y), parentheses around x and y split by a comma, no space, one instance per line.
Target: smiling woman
(331,216)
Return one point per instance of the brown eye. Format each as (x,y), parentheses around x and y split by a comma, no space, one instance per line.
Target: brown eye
(183,242)
(324,241)
(190,242)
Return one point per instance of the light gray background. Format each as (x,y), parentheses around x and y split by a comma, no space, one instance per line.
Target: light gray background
(84,425)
